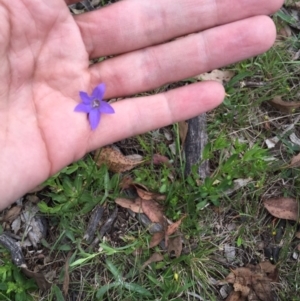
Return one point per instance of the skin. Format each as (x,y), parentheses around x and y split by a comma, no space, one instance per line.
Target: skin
(45,52)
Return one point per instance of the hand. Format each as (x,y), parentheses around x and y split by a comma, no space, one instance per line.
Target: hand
(45,52)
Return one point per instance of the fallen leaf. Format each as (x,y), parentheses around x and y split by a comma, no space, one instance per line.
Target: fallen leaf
(137,252)
(295,162)
(294,139)
(156,257)
(154,212)
(175,245)
(115,160)
(16,225)
(267,267)
(252,282)
(237,184)
(126,182)
(284,32)
(183,130)
(243,289)
(144,194)
(174,227)
(158,159)
(235,296)
(135,206)
(156,238)
(217,75)
(229,252)
(147,195)
(39,278)
(32,198)
(297,235)
(271,143)
(270,270)
(66,282)
(35,224)
(243,275)
(284,106)
(285,208)
(262,287)
(12,214)
(252,296)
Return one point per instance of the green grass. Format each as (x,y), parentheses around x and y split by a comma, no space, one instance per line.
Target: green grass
(237,132)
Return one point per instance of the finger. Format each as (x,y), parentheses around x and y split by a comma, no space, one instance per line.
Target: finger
(71,1)
(149,68)
(134,24)
(139,115)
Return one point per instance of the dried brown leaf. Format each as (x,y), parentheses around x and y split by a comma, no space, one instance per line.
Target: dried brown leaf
(297,235)
(238,287)
(135,205)
(262,287)
(295,162)
(243,276)
(175,245)
(115,160)
(217,75)
(154,211)
(158,159)
(144,194)
(253,282)
(156,257)
(39,278)
(137,252)
(270,270)
(284,106)
(66,282)
(147,195)
(183,130)
(235,296)
(156,238)
(285,208)
(229,279)
(174,227)
(33,198)
(284,32)
(252,296)
(12,214)
(126,182)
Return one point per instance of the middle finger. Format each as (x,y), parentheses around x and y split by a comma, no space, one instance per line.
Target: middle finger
(149,68)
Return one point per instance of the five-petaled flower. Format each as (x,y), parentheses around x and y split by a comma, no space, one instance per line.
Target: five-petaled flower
(94,105)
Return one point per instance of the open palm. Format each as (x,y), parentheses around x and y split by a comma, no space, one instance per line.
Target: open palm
(44,63)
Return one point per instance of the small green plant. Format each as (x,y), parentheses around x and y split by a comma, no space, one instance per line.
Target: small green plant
(120,284)
(13,285)
(80,186)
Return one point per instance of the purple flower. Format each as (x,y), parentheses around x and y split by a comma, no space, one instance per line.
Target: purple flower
(94,105)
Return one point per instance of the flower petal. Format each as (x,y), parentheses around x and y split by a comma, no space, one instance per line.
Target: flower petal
(86,99)
(106,108)
(98,92)
(94,118)
(86,108)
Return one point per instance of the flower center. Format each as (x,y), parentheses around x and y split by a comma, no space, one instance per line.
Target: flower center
(96,103)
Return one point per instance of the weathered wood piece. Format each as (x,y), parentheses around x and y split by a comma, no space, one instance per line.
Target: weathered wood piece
(195,142)
(105,228)
(93,223)
(15,250)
